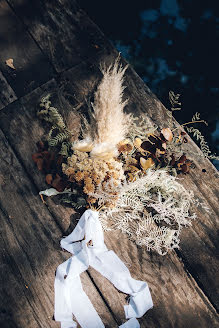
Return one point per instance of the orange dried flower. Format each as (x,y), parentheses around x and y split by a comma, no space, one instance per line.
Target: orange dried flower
(88,188)
(79,176)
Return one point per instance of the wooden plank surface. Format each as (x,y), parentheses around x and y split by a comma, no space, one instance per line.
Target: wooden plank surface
(183,284)
(32,68)
(30,252)
(62,30)
(7,95)
(179,302)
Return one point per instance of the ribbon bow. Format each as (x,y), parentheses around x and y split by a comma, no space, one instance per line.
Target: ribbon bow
(86,243)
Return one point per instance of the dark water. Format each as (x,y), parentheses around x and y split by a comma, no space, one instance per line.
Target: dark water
(173,45)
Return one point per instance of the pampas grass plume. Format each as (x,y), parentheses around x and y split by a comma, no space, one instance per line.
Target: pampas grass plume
(111,122)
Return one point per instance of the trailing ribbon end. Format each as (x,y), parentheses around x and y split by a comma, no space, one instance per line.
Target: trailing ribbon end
(70,298)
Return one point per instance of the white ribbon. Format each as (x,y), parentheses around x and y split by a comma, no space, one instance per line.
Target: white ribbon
(86,242)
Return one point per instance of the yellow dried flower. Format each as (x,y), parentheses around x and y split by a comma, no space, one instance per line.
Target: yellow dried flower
(86,174)
(88,180)
(68,171)
(91,200)
(88,188)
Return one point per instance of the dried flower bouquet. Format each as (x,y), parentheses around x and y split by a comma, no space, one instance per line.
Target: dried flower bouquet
(125,169)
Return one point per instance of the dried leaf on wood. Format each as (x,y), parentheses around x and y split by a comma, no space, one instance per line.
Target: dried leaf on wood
(10,62)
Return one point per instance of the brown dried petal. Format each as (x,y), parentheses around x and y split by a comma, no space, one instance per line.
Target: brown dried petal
(59,184)
(40,145)
(148,146)
(173,160)
(137,142)
(146,164)
(49,179)
(167,133)
(40,162)
(182,159)
(126,148)
(36,156)
(185,168)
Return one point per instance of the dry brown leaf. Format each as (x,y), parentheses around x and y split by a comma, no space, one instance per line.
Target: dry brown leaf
(10,62)
(167,133)
(146,163)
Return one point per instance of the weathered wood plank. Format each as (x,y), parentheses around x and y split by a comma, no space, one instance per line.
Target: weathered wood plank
(179,302)
(63,31)
(7,95)
(32,68)
(1,104)
(30,252)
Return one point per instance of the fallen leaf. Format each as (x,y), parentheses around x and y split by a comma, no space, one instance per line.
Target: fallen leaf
(167,133)
(10,62)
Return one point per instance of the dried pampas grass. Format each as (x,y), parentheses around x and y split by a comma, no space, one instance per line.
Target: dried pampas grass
(109,124)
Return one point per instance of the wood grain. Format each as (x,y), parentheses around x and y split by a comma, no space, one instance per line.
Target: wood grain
(7,95)
(32,67)
(62,30)
(179,302)
(30,252)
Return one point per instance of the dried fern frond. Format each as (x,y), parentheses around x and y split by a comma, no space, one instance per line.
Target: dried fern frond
(59,133)
(58,139)
(203,143)
(175,105)
(196,117)
(174,100)
(152,210)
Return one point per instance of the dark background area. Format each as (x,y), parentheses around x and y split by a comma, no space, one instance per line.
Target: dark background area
(173,45)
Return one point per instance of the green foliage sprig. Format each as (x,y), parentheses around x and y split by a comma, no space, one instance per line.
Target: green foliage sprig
(58,135)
